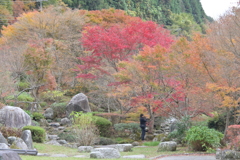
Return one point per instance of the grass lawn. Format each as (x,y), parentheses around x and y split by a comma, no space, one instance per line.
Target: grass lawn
(148,151)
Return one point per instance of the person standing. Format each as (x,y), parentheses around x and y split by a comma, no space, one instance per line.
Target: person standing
(143,121)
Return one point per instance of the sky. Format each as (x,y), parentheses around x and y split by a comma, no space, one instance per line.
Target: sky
(215,8)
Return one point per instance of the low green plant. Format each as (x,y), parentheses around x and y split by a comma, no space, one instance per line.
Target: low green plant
(26,97)
(106,141)
(53,96)
(37,116)
(69,137)
(29,113)
(202,138)
(22,85)
(103,125)
(59,109)
(179,133)
(38,133)
(84,128)
(125,130)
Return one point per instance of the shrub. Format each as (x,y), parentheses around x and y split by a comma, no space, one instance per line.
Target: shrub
(233,137)
(37,116)
(59,109)
(126,129)
(106,141)
(26,97)
(69,137)
(8,131)
(38,133)
(23,85)
(53,96)
(103,125)
(84,128)
(202,138)
(179,133)
(29,113)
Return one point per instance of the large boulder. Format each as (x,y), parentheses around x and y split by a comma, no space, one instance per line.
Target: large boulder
(14,117)
(4,146)
(3,139)
(27,138)
(78,103)
(9,155)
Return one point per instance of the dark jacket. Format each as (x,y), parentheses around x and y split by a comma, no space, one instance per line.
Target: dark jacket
(143,121)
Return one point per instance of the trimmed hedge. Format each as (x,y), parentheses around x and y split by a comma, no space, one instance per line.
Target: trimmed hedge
(38,133)
(103,125)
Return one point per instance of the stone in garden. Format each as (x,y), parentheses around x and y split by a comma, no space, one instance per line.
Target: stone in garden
(135,143)
(3,139)
(48,114)
(124,147)
(227,154)
(141,156)
(9,155)
(78,103)
(53,137)
(65,121)
(85,149)
(62,141)
(167,146)
(107,152)
(53,142)
(14,117)
(19,144)
(27,138)
(3,146)
(97,155)
(55,125)
(11,139)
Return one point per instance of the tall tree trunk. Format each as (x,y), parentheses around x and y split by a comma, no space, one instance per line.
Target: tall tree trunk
(227,122)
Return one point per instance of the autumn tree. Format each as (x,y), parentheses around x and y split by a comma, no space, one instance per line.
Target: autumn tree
(61,24)
(225,37)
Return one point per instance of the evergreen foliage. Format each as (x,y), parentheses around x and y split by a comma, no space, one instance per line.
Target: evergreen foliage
(155,10)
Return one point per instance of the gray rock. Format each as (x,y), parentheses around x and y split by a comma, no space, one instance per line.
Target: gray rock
(62,141)
(43,154)
(85,149)
(14,117)
(135,143)
(54,125)
(78,103)
(124,147)
(3,139)
(27,138)
(97,155)
(135,156)
(11,139)
(49,113)
(73,145)
(167,146)
(3,146)
(53,137)
(107,152)
(65,121)
(20,144)
(53,142)
(9,155)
